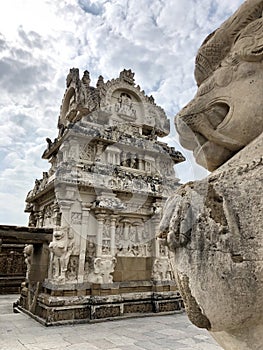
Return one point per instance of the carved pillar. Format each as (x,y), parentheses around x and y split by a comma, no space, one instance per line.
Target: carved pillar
(157,247)
(99,152)
(63,153)
(112,157)
(149,161)
(156,241)
(133,161)
(83,242)
(140,163)
(118,158)
(124,159)
(126,229)
(73,149)
(41,218)
(112,234)
(65,210)
(57,215)
(100,219)
(35,218)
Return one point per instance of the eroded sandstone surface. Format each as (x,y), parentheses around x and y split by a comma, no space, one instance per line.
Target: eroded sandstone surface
(214,226)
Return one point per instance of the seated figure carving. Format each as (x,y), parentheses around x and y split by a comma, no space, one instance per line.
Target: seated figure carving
(214,226)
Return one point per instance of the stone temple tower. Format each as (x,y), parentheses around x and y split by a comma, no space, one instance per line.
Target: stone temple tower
(103,195)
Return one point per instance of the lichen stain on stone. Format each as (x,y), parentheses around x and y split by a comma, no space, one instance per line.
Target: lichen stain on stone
(194,312)
(214,202)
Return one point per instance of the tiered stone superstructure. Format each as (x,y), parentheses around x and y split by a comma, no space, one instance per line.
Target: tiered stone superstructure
(103,195)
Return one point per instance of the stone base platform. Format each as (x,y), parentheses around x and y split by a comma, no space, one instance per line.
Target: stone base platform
(85,303)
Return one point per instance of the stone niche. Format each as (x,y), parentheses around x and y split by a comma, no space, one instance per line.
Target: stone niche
(214,226)
(103,196)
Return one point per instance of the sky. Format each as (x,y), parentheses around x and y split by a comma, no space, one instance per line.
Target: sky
(40,40)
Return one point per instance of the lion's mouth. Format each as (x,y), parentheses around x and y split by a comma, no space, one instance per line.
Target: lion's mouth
(258,51)
(201,133)
(217,113)
(197,128)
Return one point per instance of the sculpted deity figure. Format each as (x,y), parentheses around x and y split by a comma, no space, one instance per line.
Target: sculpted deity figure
(28,251)
(161,269)
(61,248)
(102,270)
(214,226)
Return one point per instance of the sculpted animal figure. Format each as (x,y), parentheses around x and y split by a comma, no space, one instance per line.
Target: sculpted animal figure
(61,248)
(214,226)
(226,113)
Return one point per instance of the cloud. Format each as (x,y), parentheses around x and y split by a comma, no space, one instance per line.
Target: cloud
(30,39)
(17,77)
(93,8)
(41,40)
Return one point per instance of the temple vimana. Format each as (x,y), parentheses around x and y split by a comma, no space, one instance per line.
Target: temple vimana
(102,199)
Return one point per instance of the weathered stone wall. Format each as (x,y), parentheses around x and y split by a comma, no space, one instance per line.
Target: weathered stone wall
(13,267)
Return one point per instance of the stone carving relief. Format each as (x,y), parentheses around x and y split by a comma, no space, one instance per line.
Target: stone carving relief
(106,238)
(28,252)
(125,107)
(110,203)
(89,256)
(76,218)
(162,270)
(120,130)
(12,263)
(102,270)
(128,76)
(156,117)
(166,166)
(47,216)
(162,247)
(44,181)
(72,77)
(72,268)
(87,152)
(79,99)
(61,249)
(84,88)
(132,238)
(32,222)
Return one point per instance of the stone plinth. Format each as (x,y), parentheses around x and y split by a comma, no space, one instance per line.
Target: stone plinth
(85,302)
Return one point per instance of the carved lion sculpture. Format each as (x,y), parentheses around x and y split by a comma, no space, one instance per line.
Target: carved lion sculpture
(214,226)
(61,248)
(226,113)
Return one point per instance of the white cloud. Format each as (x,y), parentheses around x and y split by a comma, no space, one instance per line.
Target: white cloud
(41,39)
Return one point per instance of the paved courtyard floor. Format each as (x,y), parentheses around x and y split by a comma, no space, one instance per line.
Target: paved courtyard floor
(20,332)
